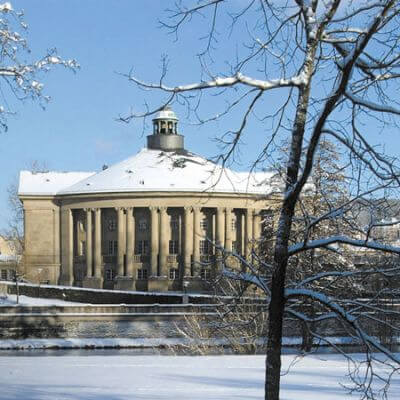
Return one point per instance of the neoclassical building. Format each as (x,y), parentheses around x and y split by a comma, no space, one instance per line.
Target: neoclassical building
(146,223)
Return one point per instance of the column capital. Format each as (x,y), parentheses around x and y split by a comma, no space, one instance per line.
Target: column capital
(88,209)
(162,208)
(120,208)
(153,208)
(188,209)
(228,209)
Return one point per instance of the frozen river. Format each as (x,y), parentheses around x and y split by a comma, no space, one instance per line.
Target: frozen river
(113,375)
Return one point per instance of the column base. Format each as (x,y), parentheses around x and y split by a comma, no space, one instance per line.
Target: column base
(157,284)
(124,283)
(92,282)
(65,282)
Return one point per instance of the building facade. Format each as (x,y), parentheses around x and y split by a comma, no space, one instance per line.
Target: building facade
(155,221)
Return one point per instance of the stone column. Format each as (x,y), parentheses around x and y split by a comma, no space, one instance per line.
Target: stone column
(188,250)
(257,225)
(67,248)
(130,241)
(89,259)
(242,232)
(120,256)
(228,229)
(163,241)
(97,244)
(249,232)
(220,228)
(196,238)
(154,242)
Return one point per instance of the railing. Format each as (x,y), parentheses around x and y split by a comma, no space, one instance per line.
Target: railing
(207,258)
(173,258)
(110,259)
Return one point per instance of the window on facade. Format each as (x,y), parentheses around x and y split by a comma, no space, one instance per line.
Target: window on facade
(142,247)
(170,127)
(173,273)
(142,224)
(174,223)
(112,224)
(204,224)
(204,247)
(112,247)
(4,274)
(142,273)
(162,127)
(205,273)
(109,274)
(173,247)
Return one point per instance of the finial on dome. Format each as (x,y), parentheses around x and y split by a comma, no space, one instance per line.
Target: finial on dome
(165,131)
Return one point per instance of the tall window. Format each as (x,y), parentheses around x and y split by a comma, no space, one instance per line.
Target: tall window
(174,223)
(173,247)
(112,247)
(142,247)
(204,247)
(142,224)
(142,273)
(173,273)
(4,274)
(112,224)
(109,274)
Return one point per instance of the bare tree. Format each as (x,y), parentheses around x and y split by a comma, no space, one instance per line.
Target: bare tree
(300,70)
(20,74)
(15,229)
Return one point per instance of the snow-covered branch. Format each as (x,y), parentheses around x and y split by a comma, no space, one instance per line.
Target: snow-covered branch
(327,242)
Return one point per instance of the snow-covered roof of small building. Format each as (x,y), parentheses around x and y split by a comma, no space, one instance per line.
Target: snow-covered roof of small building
(48,183)
(149,171)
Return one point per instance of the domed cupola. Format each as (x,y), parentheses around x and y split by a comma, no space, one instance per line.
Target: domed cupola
(165,132)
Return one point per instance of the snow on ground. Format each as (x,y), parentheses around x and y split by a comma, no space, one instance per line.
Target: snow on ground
(11,300)
(123,377)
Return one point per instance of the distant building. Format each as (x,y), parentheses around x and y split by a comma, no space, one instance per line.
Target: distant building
(8,259)
(146,223)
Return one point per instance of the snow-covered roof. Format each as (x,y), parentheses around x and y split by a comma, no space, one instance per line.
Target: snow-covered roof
(166,113)
(149,171)
(155,170)
(48,183)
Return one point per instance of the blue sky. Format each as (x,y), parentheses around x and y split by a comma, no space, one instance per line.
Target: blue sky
(78,130)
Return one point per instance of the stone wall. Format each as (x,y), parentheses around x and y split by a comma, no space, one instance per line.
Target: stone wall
(101,296)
